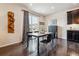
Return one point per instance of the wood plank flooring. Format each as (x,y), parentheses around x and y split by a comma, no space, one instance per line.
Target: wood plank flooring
(61,47)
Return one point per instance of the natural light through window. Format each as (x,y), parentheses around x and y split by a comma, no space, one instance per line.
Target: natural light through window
(33,23)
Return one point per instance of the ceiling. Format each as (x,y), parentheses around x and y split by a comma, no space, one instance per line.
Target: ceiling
(49,8)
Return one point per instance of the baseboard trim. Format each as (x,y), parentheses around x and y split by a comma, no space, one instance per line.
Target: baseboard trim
(13,45)
(60,38)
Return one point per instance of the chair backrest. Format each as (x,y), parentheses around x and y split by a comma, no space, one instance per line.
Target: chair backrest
(50,37)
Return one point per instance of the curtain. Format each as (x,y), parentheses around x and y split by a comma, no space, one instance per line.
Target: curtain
(25,26)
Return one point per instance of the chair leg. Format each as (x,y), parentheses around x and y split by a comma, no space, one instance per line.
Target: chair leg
(46,49)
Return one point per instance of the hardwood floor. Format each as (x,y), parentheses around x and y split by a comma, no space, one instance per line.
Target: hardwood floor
(61,48)
(65,48)
(14,50)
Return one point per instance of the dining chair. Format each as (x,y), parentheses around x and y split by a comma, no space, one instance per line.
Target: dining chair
(48,40)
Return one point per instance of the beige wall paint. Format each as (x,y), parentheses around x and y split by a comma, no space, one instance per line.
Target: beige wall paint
(10,38)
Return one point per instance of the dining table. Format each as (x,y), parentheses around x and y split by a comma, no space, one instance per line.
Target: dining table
(38,35)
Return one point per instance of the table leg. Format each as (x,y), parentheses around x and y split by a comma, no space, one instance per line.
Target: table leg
(38,46)
(28,42)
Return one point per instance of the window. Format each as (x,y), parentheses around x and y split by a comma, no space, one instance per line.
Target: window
(33,23)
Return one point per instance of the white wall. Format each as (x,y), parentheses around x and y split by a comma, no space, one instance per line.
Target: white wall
(10,38)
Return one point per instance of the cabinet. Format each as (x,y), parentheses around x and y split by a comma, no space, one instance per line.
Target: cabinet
(69,18)
(73,35)
(73,17)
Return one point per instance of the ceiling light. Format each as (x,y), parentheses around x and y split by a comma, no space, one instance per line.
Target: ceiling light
(52,7)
